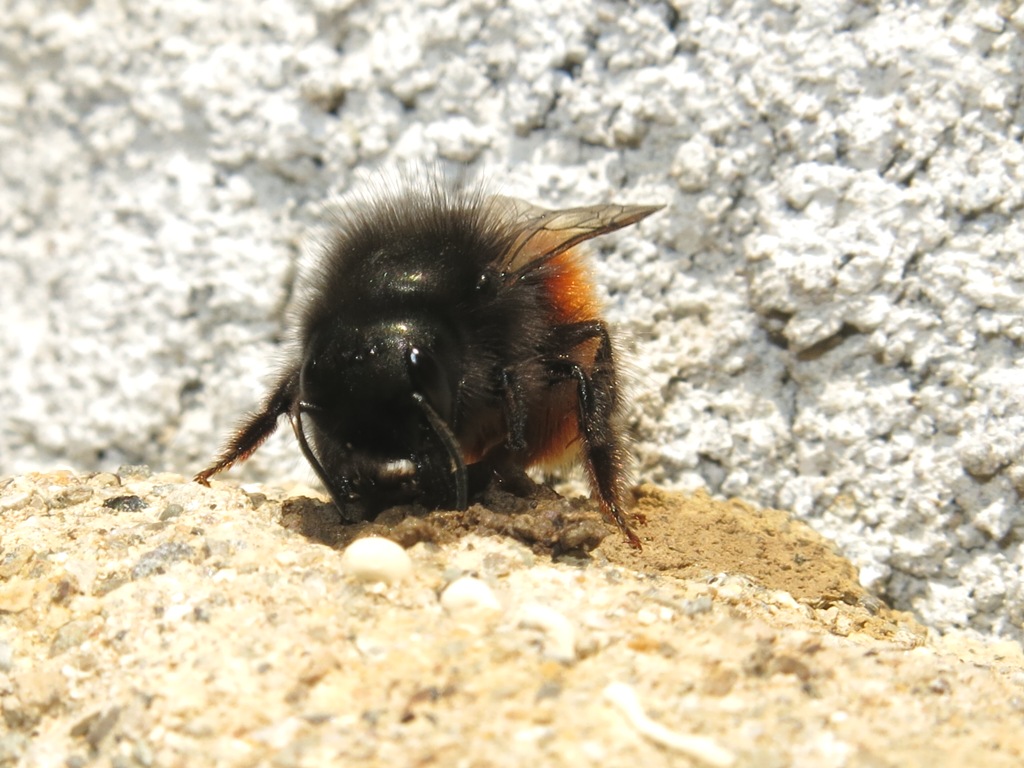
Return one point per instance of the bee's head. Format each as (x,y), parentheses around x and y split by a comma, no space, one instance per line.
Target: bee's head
(376,404)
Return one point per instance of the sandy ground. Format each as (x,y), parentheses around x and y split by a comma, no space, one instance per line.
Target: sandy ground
(148,621)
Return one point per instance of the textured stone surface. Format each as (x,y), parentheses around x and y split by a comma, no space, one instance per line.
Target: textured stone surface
(199,630)
(827,318)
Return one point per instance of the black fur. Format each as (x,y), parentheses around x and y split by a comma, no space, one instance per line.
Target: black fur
(421,343)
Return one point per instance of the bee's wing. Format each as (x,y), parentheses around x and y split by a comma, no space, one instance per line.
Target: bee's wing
(543,234)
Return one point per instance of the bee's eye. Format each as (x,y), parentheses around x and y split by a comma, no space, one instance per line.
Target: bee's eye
(430,380)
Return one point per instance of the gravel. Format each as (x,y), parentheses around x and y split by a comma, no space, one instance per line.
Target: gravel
(253,644)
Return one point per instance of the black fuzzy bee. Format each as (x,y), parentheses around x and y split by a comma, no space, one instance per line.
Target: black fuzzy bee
(449,336)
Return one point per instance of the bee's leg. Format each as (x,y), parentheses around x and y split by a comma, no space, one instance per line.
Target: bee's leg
(450,475)
(514,410)
(505,463)
(256,428)
(340,488)
(602,446)
(505,470)
(570,336)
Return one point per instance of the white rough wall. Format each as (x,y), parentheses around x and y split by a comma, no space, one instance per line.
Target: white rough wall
(828,317)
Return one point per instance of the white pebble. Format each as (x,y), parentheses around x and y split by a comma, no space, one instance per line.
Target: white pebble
(375,559)
(286,557)
(469,593)
(560,644)
(14,501)
(646,617)
(699,748)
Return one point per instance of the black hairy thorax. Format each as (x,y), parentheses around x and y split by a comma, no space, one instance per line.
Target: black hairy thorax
(445,329)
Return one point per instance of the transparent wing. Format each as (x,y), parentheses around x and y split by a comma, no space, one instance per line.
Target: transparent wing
(544,234)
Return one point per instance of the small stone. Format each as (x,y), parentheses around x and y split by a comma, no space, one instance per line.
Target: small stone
(559,631)
(96,726)
(72,635)
(16,595)
(469,593)
(157,560)
(125,504)
(70,497)
(134,471)
(171,511)
(286,557)
(104,480)
(376,559)
(646,617)
(15,501)
(14,560)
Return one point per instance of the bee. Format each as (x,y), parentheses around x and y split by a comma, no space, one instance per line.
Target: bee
(449,338)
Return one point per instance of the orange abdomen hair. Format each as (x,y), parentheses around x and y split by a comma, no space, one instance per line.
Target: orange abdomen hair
(570,290)
(553,425)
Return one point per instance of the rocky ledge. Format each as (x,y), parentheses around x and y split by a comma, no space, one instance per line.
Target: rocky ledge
(148,621)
